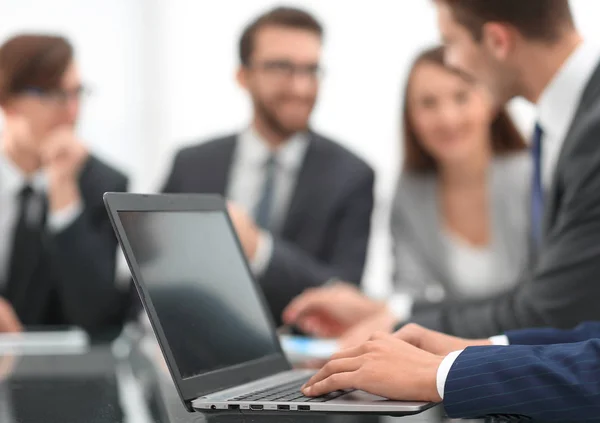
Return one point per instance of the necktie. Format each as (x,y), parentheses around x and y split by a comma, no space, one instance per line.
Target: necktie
(27,241)
(537,189)
(264,207)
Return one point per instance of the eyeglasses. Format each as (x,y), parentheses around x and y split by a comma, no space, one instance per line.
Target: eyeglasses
(58,97)
(284,69)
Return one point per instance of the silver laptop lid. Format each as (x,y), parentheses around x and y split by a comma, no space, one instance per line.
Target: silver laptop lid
(207,312)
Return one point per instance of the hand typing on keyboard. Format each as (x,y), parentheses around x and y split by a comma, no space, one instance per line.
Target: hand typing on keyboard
(286,393)
(384,366)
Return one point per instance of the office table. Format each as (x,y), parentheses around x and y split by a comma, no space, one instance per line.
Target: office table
(124,381)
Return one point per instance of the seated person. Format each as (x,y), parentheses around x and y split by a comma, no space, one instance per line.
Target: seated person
(301,203)
(57,260)
(545,374)
(460,216)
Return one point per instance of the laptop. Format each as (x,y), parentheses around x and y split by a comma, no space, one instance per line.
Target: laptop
(209,315)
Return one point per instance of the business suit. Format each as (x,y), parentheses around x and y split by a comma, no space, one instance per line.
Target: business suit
(326,229)
(561,290)
(71,280)
(558,380)
(421,257)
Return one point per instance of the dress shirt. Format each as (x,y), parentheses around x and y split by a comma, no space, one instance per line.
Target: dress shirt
(558,104)
(248,173)
(12,182)
(556,109)
(473,267)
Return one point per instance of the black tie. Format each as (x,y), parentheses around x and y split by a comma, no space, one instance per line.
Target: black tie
(265,205)
(27,241)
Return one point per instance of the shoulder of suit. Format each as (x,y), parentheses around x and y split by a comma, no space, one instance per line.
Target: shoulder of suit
(338,154)
(206,147)
(412,186)
(589,116)
(414,193)
(95,165)
(514,166)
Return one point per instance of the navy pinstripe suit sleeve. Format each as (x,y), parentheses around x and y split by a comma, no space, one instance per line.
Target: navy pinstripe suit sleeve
(549,383)
(583,332)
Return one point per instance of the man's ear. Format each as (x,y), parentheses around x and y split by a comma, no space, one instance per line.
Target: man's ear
(242,77)
(5,108)
(499,39)
(10,107)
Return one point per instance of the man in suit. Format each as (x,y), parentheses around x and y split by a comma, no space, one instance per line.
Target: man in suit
(57,258)
(547,374)
(530,49)
(301,203)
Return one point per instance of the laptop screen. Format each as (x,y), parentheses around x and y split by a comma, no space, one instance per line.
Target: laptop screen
(201,289)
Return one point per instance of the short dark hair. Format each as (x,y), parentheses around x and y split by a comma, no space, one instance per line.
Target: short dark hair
(287,17)
(506,138)
(32,61)
(542,20)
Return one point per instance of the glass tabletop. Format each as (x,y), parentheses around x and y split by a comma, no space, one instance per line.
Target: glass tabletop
(122,381)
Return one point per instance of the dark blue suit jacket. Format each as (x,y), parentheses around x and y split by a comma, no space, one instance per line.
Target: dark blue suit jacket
(546,374)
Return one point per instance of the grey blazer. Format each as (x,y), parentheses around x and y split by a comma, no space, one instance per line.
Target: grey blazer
(421,267)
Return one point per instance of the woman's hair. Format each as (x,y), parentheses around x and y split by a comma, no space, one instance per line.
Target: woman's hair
(505,136)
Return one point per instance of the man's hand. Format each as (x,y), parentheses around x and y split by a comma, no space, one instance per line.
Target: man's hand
(63,157)
(384,321)
(330,311)
(246,229)
(9,322)
(384,366)
(7,365)
(435,342)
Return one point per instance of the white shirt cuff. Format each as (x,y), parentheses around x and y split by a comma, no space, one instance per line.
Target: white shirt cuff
(264,251)
(60,220)
(444,370)
(400,305)
(499,340)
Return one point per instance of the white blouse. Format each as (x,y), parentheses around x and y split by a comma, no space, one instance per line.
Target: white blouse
(472,268)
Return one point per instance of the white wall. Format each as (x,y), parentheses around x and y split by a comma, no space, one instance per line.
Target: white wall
(163,74)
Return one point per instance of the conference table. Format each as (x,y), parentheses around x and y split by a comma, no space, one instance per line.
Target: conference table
(124,380)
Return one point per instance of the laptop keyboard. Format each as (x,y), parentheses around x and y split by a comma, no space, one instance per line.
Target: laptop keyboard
(289,392)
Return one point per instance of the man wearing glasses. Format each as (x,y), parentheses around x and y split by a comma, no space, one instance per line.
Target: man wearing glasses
(301,203)
(57,249)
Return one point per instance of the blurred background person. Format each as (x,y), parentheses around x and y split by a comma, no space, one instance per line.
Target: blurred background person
(301,203)
(460,216)
(57,258)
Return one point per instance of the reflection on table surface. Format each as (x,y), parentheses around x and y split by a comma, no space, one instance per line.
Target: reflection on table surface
(124,381)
